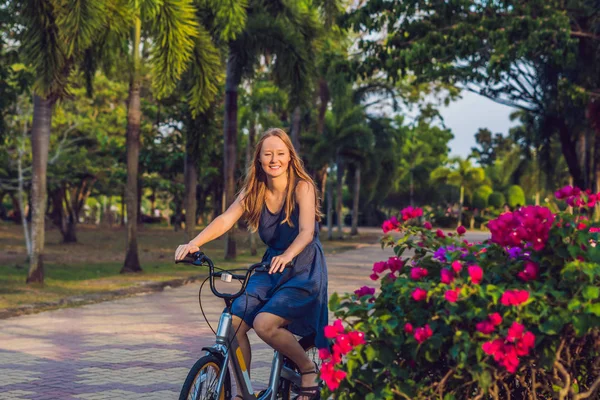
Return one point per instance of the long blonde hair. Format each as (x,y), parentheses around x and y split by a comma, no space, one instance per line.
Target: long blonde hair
(254,190)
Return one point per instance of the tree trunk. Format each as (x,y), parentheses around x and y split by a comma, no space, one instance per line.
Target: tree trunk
(412,187)
(329,190)
(140,220)
(354,230)
(249,161)
(21,190)
(568,150)
(230,145)
(321,175)
(339,204)
(123,207)
(295,128)
(323,103)
(40,142)
(191,183)
(134,115)
(460,204)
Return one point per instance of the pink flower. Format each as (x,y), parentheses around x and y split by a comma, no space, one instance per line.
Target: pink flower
(408,328)
(485,327)
(493,347)
(395,264)
(528,339)
(418,273)
(515,331)
(514,297)
(530,272)
(324,354)
(447,276)
(461,230)
(379,267)
(495,319)
(331,376)
(456,266)
(364,291)
(440,234)
(357,338)
(330,332)
(427,225)
(419,294)
(476,274)
(423,333)
(374,276)
(410,213)
(337,324)
(391,276)
(452,295)
(343,343)
(390,225)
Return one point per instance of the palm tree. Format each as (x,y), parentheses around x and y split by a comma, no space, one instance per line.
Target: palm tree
(224,20)
(462,174)
(282,29)
(57,37)
(346,139)
(177,43)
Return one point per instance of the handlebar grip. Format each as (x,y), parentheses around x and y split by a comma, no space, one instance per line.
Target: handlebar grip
(234,276)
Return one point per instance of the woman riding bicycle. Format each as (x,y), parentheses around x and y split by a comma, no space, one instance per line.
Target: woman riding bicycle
(284,301)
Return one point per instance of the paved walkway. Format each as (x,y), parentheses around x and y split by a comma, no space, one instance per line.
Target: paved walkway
(135,348)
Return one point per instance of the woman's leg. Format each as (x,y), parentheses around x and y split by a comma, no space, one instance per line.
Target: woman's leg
(271,328)
(243,342)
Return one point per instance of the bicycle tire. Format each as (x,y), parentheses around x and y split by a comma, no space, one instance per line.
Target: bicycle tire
(285,386)
(203,364)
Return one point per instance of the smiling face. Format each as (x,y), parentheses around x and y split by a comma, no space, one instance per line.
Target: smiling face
(274,157)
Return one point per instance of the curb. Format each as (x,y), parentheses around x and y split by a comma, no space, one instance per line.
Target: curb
(74,301)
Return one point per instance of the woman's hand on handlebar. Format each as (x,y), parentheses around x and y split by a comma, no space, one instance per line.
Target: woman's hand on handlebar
(278,263)
(184,249)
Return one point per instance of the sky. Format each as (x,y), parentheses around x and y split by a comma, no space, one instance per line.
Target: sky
(465,116)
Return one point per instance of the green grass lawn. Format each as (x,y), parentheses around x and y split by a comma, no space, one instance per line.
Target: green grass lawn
(93,264)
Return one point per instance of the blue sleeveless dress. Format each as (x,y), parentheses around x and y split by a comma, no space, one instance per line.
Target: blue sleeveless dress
(298,294)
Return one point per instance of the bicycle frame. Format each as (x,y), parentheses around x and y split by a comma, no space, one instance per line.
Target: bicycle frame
(227,345)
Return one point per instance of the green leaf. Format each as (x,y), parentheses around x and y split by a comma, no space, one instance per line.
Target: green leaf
(574,305)
(553,325)
(591,292)
(593,309)
(371,353)
(583,323)
(334,301)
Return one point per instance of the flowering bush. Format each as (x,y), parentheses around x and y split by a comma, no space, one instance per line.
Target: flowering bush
(517,315)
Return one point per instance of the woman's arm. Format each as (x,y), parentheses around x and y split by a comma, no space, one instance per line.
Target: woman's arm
(216,228)
(305,197)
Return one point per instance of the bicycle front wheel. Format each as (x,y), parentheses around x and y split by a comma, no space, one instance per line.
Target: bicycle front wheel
(201,381)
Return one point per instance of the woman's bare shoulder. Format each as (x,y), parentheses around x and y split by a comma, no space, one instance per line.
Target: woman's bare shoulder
(304,188)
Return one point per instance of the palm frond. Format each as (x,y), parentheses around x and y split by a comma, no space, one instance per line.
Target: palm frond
(79,22)
(42,47)
(148,9)
(230,17)
(175,29)
(206,72)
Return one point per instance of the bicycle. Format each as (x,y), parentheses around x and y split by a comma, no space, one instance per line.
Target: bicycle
(210,374)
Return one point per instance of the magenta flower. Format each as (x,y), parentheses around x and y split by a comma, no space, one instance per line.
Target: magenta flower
(452,295)
(419,294)
(447,276)
(476,274)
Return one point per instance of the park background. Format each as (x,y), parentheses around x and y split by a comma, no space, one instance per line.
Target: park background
(126,126)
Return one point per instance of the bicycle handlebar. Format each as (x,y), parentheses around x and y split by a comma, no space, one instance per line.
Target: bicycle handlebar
(199,259)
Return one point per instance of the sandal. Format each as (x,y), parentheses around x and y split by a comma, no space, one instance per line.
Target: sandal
(312,392)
